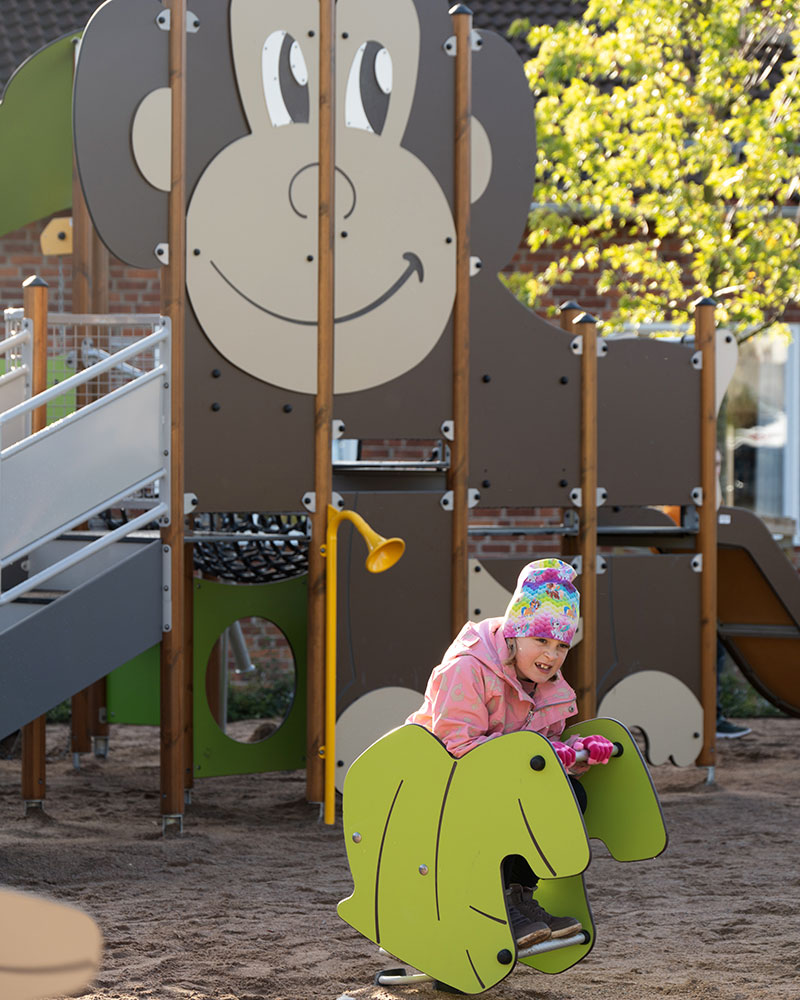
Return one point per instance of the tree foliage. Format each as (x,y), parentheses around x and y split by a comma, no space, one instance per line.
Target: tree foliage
(668,152)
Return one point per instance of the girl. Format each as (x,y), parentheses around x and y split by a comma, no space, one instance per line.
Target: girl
(503,675)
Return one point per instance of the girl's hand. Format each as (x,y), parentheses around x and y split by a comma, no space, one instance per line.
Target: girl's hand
(599,749)
(565,754)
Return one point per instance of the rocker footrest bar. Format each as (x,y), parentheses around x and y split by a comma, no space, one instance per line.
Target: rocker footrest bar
(553,944)
(399,977)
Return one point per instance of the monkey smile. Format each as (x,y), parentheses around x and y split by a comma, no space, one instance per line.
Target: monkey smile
(414,266)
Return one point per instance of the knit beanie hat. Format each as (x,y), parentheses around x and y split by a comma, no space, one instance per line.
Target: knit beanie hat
(545,603)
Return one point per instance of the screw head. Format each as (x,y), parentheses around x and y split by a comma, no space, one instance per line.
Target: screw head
(215,407)
(356,838)
(423,869)
(537,763)
(504,957)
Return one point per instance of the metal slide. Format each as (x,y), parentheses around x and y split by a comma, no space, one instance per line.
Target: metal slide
(76,604)
(759,607)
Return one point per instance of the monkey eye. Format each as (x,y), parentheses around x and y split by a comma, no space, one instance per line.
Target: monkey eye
(369,85)
(284,76)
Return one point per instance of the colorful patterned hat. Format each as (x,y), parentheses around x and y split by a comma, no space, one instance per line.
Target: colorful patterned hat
(545,603)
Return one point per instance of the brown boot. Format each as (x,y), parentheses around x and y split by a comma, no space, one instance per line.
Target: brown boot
(559,927)
(526,931)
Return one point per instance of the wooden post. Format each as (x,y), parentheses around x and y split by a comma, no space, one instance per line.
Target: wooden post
(459,451)
(323,407)
(173,685)
(585,326)
(706,545)
(34,787)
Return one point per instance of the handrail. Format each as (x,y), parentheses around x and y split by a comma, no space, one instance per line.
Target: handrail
(105,319)
(161,333)
(84,516)
(79,414)
(14,340)
(88,550)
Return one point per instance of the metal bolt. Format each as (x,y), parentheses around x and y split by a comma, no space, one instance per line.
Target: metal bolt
(196,252)
(287,407)
(563,380)
(356,838)
(485,483)
(215,406)
(423,869)
(563,482)
(487,378)
(215,373)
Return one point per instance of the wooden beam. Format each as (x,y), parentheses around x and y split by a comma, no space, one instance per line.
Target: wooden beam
(34,298)
(323,405)
(173,685)
(585,326)
(706,543)
(458,475)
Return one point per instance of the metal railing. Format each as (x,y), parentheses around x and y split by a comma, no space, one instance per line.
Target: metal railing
(102,455)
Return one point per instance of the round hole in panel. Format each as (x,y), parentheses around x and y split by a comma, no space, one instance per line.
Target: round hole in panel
(250,679)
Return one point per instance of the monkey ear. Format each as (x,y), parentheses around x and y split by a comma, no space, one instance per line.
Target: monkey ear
(123,56)
(503,106)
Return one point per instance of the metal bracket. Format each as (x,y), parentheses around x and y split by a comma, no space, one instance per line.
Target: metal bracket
(576,344)
(447,500)
(337,429)
(697,496)
(161,250)
(475,43)
(475,264)
(166,588)
(448,429)
(600,565)
(697,563)
(189,502)
(697,361)
(576,496)
(164,21)
(310,501)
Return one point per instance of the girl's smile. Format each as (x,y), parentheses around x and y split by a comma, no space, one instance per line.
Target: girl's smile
(539,659)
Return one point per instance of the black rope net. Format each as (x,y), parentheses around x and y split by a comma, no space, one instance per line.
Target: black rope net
(252,560)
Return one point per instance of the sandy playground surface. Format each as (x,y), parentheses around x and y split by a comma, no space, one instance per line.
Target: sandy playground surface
(243,905)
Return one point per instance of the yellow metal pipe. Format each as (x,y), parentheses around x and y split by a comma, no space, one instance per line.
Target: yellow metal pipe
(383,553)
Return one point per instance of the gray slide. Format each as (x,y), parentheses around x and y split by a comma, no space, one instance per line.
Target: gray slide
(51,649)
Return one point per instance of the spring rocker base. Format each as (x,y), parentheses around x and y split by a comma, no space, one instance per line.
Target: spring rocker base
(427,833)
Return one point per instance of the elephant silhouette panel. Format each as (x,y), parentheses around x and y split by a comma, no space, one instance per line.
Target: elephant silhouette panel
(426,835)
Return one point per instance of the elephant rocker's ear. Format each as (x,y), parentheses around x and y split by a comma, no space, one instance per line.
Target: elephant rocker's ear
(122,69)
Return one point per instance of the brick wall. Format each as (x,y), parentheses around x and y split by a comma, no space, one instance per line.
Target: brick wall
(130,289)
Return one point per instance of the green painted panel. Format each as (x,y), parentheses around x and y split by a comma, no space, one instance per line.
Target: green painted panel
(426,836)
(216,606)
(36,137)
(133,690)
(623,808)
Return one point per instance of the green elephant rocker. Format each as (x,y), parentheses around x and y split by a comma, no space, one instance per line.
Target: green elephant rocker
(442,814)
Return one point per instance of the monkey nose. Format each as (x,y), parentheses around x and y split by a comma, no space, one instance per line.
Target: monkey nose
(304,192)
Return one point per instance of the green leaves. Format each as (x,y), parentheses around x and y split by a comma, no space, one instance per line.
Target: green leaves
(669,144)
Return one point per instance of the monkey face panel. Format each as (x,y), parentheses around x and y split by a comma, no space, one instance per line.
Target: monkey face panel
(252,219)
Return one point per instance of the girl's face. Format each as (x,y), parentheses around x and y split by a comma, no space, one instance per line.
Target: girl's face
(539,659)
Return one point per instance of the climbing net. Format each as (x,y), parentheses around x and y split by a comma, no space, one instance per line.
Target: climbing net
(267,547)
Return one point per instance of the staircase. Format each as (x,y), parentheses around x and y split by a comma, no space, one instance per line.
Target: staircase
(75,604)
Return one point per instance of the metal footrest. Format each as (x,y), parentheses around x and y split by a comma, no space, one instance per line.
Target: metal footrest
(400,977)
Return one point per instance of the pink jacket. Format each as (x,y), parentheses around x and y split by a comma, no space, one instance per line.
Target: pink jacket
(471,697)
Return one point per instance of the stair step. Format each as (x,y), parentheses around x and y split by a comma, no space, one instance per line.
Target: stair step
(41,596)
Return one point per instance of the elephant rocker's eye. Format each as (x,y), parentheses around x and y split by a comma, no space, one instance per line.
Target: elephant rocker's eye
(369,84)
(285,79)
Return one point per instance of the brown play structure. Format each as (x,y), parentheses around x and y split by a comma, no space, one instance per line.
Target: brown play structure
(312,297)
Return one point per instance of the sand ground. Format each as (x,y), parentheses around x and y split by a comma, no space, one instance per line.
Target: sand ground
(242,906)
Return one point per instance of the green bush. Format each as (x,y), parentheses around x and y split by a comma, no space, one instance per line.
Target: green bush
(253,701)
(738,698)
